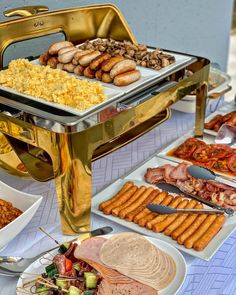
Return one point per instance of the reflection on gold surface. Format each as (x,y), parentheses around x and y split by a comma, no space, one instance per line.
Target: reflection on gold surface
(71,153)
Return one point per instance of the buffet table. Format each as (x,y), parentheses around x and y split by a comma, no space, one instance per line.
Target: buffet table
(217,276)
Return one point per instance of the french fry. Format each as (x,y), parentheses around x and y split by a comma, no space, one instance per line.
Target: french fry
(191,229)
(135,196)
(125,187)
(177,222)
(160,217)
(184,225)
(160,226)
(130,216)
(188,243)
(122,199)
(159,198)
(203,241)
(143,221)
(135,204)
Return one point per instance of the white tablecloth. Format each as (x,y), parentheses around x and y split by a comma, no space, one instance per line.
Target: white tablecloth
(217,277)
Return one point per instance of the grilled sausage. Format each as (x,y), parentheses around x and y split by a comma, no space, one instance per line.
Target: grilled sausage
(89,73)
(232,121)
(54,48)
(65,49)
(69,67)
(74,61)
(67,56)
(213,121)
(52,62)
(228,116)
(122,67)
(80,54)
(106,78)
(85,60)
(96,63)
(98,75)
(60,66)
(107,65)
(43,59)
(79,70)
(127,78)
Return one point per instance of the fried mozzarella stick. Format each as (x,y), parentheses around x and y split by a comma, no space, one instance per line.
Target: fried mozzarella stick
(200,231)
(185,224)
(160,217)
(122,199)
(203,241)
(181,217)
(135,196)
(134,205)
(159,198)
(125,187)
(160,226)
(192,228)
(130,216)
(143,221)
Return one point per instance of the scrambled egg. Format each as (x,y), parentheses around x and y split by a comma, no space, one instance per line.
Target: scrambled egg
(52,85)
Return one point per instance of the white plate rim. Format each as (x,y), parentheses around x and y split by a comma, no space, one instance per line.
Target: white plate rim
(181,265)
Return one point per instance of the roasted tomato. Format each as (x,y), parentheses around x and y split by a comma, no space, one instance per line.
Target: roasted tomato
(202,154)
(211,152)
(186,149)
(221,165)
(232,162)
(219,151)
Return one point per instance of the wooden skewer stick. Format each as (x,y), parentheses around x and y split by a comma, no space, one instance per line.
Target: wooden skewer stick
(47,234)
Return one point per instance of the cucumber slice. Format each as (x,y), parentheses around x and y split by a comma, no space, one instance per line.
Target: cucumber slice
(91,281)
(74,291)
(51,270)
(42,290)
(90,292)
(62,283)
(63,248)
(87,274)
(76,266)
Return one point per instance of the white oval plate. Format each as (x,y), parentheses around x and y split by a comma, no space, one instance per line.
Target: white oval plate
(181,267)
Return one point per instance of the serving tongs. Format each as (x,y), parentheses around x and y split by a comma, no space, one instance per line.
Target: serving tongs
(207,174)
(170,188)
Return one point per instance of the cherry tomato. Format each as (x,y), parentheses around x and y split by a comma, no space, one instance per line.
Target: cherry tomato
(232,163)
(68,265)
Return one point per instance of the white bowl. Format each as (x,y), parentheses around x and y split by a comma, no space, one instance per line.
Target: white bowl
(27,203)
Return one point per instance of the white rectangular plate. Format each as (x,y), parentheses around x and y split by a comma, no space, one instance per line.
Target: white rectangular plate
(164,153)
(111,190)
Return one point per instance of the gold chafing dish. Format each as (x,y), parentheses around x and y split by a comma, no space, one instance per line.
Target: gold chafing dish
(56,144)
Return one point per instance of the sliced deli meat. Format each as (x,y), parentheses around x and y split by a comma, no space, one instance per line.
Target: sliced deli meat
(134,288)
(211,190)
(156,268)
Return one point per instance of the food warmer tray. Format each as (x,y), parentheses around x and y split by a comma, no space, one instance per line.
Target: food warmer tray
(56,144)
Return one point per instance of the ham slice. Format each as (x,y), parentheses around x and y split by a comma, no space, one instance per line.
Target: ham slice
(134,288)
(89,251)
(167,170)
(154,175)
(180,172)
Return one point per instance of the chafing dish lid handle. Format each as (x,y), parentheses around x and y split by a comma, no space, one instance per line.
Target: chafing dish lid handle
(25,10)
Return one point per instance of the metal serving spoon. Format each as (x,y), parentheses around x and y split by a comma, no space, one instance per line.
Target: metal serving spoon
(19,264)
(170,188)
(168,210)
(207,174)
